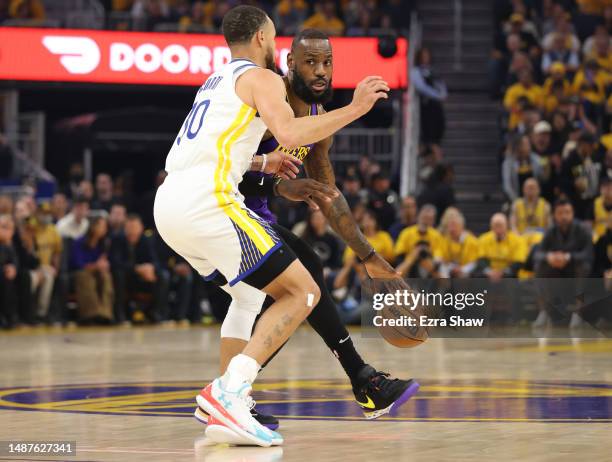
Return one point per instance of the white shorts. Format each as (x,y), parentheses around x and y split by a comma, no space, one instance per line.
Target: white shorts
(227,238)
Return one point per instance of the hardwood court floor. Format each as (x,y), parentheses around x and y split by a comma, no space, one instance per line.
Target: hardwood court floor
(127,395)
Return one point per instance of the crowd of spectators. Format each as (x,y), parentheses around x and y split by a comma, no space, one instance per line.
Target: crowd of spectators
(552,64)
(85,255)
(86,249)
(335,17)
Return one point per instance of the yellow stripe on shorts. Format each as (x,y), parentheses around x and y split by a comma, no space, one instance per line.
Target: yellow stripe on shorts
(251,227)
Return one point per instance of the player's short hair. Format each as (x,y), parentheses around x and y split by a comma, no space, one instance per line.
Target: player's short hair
(308,34)
(241,23)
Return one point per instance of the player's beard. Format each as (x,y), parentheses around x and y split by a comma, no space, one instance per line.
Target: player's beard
(270,61)
(301,88)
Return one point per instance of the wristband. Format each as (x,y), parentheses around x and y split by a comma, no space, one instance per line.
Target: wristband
(367,257)
(264,162)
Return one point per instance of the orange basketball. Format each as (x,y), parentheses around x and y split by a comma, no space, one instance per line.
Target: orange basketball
(395,328)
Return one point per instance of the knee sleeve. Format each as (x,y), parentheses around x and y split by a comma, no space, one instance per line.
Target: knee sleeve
(246,305)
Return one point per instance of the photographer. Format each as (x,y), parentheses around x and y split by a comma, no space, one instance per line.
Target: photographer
(418,245)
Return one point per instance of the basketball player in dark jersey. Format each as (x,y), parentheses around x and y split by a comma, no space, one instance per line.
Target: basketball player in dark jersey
(308,86)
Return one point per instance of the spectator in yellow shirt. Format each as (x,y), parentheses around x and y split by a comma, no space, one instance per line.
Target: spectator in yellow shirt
(418,246)
(289,14)
(602,209)
(525,88)
(553,100)
(325,19)
(27,9)
(590,83)
(592,7)
(557,74)
(122,5)
(458,247)
(530,213)
(47,246)
(601,51)
(47,238)
(501,253)
(201,15)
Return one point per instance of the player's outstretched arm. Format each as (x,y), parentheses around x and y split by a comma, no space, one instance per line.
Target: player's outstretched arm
(267,92)
(339,215)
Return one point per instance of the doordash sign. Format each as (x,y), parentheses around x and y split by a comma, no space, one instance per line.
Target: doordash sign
(63,55)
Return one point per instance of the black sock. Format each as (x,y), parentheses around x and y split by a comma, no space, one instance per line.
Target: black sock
(325,320)
(324,317)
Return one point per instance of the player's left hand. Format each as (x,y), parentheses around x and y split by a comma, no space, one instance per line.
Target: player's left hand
(283,165)
(307,190)
(387,280)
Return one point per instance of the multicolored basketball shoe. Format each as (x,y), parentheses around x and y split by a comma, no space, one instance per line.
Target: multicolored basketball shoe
(233,409)
(216,432)
(379,394)
(268,421)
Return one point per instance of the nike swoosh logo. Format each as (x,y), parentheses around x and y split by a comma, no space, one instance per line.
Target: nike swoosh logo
(344,339)
(261,182)
(369,404)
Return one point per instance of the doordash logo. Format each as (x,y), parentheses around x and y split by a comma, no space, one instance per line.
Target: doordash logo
(78,55)
(82,55)
(151,58)
(174,58)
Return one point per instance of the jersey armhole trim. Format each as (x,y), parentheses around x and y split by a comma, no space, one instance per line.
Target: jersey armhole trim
(243,69)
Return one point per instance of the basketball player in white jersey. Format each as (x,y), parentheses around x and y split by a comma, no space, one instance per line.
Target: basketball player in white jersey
(201,215)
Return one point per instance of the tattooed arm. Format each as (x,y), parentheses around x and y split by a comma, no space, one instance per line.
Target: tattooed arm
(338,213)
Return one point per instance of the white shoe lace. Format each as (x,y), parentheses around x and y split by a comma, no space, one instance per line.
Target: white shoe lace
(250,402)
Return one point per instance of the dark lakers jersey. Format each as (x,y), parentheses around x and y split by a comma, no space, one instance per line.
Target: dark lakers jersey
(259,204)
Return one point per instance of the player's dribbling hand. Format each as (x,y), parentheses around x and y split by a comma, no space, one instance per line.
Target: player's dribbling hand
(283,165)
(368,91)
(378,268)
(306,190)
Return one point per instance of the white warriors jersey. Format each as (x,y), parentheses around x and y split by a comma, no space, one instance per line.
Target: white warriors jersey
(219,135)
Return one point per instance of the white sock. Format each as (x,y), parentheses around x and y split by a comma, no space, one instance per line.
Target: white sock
(242,368)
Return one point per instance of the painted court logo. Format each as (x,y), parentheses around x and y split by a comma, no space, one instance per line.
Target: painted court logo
(438,400)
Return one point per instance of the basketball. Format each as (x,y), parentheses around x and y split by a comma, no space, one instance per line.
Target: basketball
(395,328)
